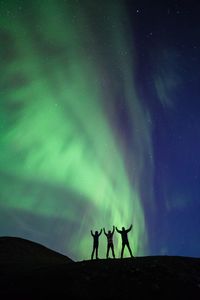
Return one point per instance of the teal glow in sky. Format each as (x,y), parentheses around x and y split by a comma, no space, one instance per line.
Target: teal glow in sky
(63,159)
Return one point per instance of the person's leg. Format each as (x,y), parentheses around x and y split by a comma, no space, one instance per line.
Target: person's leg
(122,252)
(97,252)
(92,252)
(113,252)
(129,248)
(108,249)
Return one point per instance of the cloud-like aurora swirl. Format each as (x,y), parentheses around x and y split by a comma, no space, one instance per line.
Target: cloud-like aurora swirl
(68,106)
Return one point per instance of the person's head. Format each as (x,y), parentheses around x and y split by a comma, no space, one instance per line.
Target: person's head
(109,231)
(123,228)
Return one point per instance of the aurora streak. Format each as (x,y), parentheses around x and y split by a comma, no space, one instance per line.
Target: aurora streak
(65,164)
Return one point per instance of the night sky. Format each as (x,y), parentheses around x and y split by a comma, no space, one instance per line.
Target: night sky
(100,124)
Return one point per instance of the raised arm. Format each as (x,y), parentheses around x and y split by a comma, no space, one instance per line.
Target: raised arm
(100,232)
(104,232)
(113,229)
(129,228)
(118,230)
(92,233)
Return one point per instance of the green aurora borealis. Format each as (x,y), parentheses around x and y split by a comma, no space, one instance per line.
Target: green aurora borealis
(63,158)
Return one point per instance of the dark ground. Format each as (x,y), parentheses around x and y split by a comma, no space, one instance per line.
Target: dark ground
(32,271)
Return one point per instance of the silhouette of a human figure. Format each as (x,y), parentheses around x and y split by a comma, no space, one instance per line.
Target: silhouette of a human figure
(125,242)
(110,244)
(95,243)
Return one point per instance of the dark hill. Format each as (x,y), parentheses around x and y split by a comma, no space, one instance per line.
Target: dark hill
(163,276)
(21,252)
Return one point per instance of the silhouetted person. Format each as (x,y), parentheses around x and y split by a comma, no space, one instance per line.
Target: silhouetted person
(125,242)
(110,244)
(95,243)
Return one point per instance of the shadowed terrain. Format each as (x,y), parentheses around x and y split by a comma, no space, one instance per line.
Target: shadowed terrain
(29,270)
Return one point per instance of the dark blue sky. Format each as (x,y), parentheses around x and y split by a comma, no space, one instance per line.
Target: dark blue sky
(168,48)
